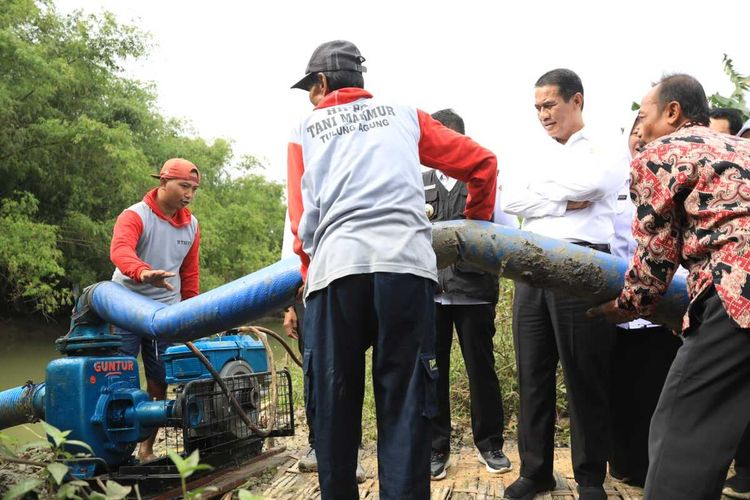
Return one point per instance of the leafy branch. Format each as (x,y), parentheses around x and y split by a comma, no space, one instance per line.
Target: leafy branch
(736,100)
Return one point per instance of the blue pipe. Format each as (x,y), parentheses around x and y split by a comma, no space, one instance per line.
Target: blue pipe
(21,405)
(154,414)
(509,252)
(222,308)
(546,262)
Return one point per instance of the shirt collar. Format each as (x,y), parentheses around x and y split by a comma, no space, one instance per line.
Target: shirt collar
(181,217)
(343,96)
(577,136)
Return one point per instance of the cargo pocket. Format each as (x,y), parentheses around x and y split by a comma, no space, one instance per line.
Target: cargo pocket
(307,384)
(430,374)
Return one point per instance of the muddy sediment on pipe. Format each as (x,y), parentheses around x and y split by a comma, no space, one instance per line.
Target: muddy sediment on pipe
(532,265)
(529,264)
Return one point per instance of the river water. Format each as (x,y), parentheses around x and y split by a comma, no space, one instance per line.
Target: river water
(27,345)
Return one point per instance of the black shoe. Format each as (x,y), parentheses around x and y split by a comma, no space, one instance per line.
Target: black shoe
(737,487)
(638,479)
(495,461)
(591,493)
(526,489)
(439,464)
(617,476)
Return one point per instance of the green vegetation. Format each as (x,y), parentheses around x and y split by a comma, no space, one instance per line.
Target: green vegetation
(736,99)
(50,478)
(185,468)
(77,142)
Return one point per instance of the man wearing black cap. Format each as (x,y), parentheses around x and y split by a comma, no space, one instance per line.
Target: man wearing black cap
(356,206)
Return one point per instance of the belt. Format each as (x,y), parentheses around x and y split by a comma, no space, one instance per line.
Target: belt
(602,247)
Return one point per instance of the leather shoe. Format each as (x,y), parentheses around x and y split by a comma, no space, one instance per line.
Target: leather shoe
(524,488)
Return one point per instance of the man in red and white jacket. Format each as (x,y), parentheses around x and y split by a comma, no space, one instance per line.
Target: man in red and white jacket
(356,206)
(155,245)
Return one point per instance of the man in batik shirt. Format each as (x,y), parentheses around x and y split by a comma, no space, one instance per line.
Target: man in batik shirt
(691,188)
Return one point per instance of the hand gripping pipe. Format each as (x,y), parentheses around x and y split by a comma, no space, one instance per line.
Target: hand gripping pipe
(512,253)
(547,263)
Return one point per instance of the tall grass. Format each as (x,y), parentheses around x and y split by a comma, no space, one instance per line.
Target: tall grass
(505,366)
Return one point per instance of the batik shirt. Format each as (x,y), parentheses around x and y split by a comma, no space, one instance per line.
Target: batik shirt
(691,191)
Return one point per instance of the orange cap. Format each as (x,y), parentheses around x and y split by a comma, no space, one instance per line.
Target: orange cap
(179,168)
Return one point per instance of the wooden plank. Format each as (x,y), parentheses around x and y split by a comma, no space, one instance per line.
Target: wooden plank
(483,490)
(366,488)
(561,483)
(573,487)
(443,493)
(626,492)
(229,479)
(499,489)
(277,488)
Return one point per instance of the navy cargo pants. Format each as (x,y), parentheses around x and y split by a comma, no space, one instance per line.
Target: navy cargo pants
(394,313)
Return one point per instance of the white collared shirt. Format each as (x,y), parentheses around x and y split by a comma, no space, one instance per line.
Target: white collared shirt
(538,187)
(448,182)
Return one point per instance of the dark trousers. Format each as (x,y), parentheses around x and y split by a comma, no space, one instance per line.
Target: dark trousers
(299,309)
(475,326)
(641,361)
(742,456)
(395,314)
(548,328)
(704,407)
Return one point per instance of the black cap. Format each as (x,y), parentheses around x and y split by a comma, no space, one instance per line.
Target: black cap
(338,55)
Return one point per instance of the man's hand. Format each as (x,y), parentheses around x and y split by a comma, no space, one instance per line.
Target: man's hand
(157,278)
(290,323)
(300,293)
(611,313)
(577,205)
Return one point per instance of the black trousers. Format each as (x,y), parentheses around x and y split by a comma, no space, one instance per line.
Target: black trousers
(548,328)
(299,309)
(475,326)
(641,361)
(395,314)
(742,456)
(704,407)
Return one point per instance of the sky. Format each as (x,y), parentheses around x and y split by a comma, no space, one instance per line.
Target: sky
(226,66)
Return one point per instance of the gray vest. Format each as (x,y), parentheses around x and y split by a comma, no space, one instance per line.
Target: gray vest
(161,246)
(461,279)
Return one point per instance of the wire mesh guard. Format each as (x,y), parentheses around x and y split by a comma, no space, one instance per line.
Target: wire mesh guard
(210,423)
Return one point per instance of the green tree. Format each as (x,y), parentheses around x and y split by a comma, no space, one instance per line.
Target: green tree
(736,99)
(29,277)
(77,142)
(245,228)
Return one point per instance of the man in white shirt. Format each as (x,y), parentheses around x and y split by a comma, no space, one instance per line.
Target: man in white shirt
(570,193)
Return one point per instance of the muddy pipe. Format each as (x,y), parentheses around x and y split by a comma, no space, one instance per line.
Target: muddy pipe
(514,254)
(546,263)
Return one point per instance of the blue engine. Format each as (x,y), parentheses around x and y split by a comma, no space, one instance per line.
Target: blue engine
(230,355)
(96,395)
